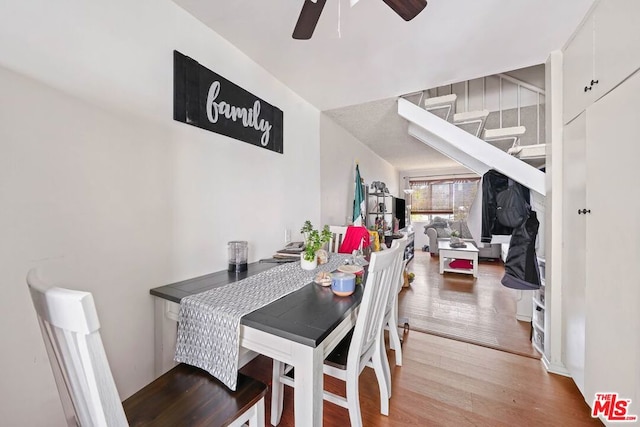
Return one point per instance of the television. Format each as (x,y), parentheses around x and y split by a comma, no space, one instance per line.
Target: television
(400,212)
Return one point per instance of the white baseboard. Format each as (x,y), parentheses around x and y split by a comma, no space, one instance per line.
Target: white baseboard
(555,368)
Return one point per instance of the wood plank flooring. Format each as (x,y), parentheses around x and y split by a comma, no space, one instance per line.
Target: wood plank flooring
(444,382)
(454,305)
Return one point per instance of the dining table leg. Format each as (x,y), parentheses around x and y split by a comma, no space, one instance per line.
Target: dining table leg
(308,385)
(277,392)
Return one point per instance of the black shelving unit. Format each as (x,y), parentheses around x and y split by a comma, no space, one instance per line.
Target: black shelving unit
(380,207)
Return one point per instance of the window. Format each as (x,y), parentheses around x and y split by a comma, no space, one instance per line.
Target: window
(448,198)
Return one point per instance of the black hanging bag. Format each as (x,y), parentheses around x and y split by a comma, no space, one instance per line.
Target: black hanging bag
(512,206)
(521,266)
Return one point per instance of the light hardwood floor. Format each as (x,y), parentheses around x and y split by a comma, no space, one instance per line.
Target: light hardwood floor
(444,382)
(454,305)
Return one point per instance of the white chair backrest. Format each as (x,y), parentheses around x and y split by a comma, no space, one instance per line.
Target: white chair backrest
(71,331)
(402,244)
(337,236)
(380,278)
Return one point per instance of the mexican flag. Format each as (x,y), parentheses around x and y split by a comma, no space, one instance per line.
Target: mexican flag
(358,201)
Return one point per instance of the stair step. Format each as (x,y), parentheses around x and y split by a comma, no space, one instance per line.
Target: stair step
(459,118)
(472,121)
(503,133)
(442,106)
(528,152)
(504,138)
(440,100)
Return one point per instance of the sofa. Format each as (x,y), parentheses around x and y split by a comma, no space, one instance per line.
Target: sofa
(441,228)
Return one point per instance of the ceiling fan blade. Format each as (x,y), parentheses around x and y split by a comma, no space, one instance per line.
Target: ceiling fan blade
(407,9)
(308,19)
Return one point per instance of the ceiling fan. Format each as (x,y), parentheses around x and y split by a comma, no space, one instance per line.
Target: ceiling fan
(311,10)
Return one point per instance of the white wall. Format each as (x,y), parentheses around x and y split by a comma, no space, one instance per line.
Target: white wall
(339,152)
(102,190)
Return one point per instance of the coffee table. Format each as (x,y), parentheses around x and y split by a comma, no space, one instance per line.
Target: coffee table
(446,253)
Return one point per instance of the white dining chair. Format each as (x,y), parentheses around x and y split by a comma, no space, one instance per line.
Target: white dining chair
(391,313)
(337,236)
(390,319)
(185,395)
(360,348)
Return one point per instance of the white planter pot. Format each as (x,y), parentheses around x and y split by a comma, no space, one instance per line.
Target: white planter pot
(308,265)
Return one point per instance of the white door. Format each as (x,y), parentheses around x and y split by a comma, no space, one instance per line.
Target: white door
(616,43)
(578,71)
(573,248)
(613,242)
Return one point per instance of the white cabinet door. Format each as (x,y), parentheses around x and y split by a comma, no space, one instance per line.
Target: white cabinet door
(613,244)
(605,50)
(617,43)
(578,71)
(574,311)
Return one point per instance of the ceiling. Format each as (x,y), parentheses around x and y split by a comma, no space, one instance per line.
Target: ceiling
(361,58)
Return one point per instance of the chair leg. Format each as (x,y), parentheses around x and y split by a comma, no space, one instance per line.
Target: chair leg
(258,420)
(383,375)
(254,416)
(353,399)
(277,392)
(394,337)
(394,340)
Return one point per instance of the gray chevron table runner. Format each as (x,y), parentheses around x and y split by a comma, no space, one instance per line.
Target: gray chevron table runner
(209,322)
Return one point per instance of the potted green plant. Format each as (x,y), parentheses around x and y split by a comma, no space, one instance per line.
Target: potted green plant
(313,241)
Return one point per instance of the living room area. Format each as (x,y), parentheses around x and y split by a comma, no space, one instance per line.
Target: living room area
(450,303)
(439,195)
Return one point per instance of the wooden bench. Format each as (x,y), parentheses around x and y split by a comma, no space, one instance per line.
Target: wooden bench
(186,395)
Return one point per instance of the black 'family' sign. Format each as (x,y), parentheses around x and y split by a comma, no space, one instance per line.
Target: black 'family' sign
(207,100)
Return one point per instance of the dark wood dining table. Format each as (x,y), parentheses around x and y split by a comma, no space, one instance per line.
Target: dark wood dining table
(299,329)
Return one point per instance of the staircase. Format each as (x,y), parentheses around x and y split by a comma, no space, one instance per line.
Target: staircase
(464,138)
